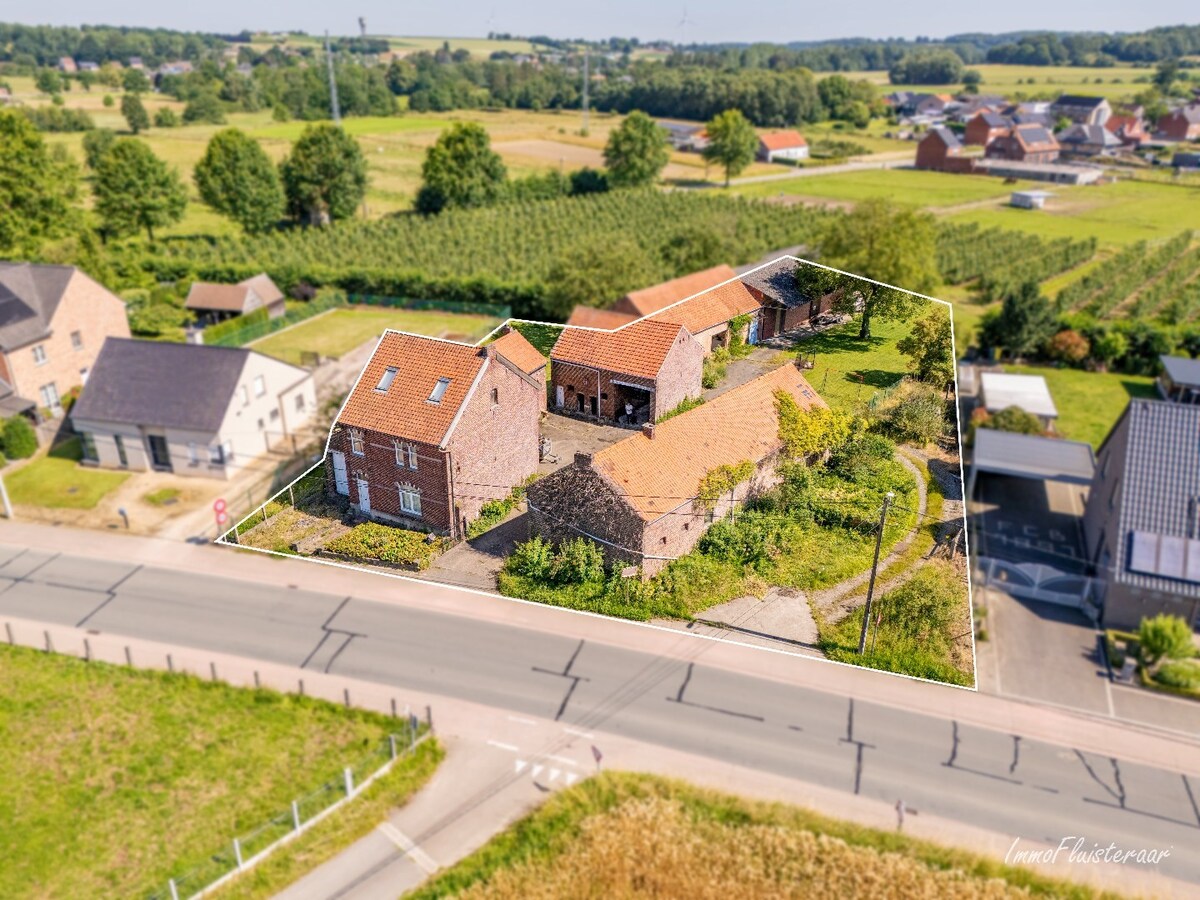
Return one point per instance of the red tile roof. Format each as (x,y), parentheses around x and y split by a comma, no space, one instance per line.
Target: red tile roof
(782,140)
(652,299)
(713,307)
(517,350)
(404,409)
(223,297)
(590,317)
(638,349)
(661,473)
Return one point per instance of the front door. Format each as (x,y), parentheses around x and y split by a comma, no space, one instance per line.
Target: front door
(580,402)
(559,399)
(160,457)
(341,483)
(364,495)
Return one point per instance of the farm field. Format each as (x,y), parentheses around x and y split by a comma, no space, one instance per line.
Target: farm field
(1114,83)
(335,333)
(1089,403)
(131,777)
(912,186)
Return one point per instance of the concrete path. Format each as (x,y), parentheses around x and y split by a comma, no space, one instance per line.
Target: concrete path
(781,615)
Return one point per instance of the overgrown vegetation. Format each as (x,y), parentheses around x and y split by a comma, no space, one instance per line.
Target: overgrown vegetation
(375,542)
(494,512)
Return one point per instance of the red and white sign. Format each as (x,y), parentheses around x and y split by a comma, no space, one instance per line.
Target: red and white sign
(222,517)
(219,505)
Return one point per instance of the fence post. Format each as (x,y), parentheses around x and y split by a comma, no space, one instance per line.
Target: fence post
(346,693)
(393,699)
(349,778)
(8,630)
(128,656)
(429,717)
(170,663)
(301,687)
(212,667)
(49,643)
(237,853)
(296,814)
(257,683)
(87,650)
(392,744)
(174,889)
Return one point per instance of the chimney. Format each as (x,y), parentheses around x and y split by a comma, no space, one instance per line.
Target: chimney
(582,460)
(648,429)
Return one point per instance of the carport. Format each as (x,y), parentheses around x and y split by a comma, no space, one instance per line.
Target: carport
(1030,456)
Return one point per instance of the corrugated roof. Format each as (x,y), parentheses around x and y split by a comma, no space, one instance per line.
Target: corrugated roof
(1033,456)
(713,307)
(1161,484)
(638,349)
(652,299)
(782,140)
(404,410)
(590,317)
(659,474)
(161,384)
(29,297)
(517,350)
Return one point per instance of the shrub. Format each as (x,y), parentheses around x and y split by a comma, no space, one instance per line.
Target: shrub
(165,118)
(1165,637)
(375,541)
(920,417)
(19,438)
(1180,674)
(1068,346)
(859,457)
(577,561)
(532,559)
(1013,419)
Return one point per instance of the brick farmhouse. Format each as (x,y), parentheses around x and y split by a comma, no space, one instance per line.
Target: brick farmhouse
(707,316)
(784,307)
(985,127)
(638,499)
(1182,124)
(650,300)
(1031,143)
(513,347)
(53,322)
(941,150)
(434,429)
(632,375)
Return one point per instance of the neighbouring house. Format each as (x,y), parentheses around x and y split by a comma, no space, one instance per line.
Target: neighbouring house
(176,67)
(629,376)
(708,315)
(591,317)
(784,307)
(1130,130)
(434,429)
(1081,110)
(985,127)
(190,409)
(1024,143)
(1140,523)
(213,303)
(1180,379)
(683,135)
(88,66)
(513,346)
(924,106)
(1029,199)
(650,300)
(67,65)
(53,322)
(782,145)
(1000,390)
(1081,141)
(135,62)
(940,150)
(640,498)
(1182,124)
(1033,118)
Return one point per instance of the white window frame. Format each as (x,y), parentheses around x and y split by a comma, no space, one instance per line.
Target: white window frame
(39,355)
(260,386)
(386,379)
(356,443)
(193,453)
(245,396)
(410,500)
(406,455)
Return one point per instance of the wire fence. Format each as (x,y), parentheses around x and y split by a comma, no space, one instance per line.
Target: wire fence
(247,849)
(307,492)
(227,335)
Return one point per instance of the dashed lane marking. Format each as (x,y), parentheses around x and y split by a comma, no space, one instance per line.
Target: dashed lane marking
(422,859)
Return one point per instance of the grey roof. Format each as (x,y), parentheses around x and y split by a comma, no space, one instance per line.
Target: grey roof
(11,403)
(1032,118)
(948,137)
(29,296)
(1088,134)
(994,119)
(1079,100)
(1033,456)
(1162,484)
(777,281)
(1186,160)
(161,385)
(1181,370)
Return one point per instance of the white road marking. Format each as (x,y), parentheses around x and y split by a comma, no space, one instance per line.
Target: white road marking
(562,759)
(571,778)
(509,747)
(422,859)
(521,764)
(537,770)
(521,721)
(554,773)
(578,733)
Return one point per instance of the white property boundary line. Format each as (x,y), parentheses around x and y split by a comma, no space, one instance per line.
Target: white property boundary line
(222,538)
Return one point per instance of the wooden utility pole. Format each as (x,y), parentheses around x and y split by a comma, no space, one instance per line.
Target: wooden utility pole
(862,638)
(586,84)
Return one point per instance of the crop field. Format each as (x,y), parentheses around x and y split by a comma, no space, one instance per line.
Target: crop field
(1114,83)
(911,186)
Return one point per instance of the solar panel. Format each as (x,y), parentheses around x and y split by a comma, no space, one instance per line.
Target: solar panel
(1171,551)
(1143,554)
(1164,555)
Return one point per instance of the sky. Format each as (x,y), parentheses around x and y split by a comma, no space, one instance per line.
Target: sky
(707,20)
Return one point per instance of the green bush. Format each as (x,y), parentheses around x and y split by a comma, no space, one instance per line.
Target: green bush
(214,334)
(577,561)
(531,559)
(1165,637)
(1182,674)
(920,417)
(19,438)
(385,543)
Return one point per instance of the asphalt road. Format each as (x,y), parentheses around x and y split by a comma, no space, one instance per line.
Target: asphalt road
(988,779)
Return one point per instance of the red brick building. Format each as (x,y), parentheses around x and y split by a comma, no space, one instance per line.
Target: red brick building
(513,347)
(434,429)
(650,300)
(1183,124)
(1130,130)
(638,499)
(707,316)
(629,376)
(783,307)
(606,319)
(985,127)
(938,149)
(1031,143)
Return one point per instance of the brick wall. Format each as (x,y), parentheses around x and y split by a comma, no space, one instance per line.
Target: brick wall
(679,377)
(378,466)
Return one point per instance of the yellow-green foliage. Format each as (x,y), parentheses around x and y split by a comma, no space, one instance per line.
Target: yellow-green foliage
(720,480)
(805,432)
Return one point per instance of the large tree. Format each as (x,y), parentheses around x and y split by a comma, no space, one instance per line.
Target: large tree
(135,113)
(893,246)
(732,142)
(1025,321)
(325,175)
(636,152)
(461,170)
(596,273)
(237,178)
(38,188)
(136,190)
(930,348)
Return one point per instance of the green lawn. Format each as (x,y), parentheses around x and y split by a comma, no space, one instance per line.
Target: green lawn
(117,779)
(1089,403)
(1048,81)
(849,371)
(912,186)
(58,481)
(337,332)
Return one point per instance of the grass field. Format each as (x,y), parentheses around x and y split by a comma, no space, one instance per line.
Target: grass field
(625,835)
(848,371)
(1089,403)
(911,186)
(1050,81)
(58,481)
(119,779)
(336,333)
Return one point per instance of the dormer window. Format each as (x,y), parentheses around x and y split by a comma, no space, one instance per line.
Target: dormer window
(385,381)
(439,390)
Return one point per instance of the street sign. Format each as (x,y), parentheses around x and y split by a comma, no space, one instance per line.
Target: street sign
(219,505)
(597,755)
(222,517)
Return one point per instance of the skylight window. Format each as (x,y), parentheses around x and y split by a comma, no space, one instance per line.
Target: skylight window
(385,381)
(439,390)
